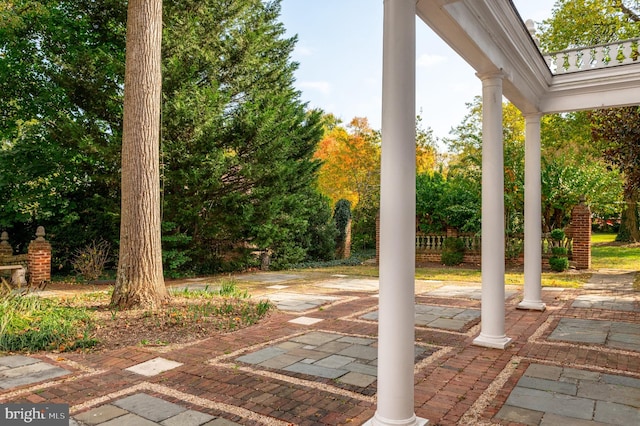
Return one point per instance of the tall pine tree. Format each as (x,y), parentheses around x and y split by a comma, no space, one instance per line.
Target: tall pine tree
(237,142)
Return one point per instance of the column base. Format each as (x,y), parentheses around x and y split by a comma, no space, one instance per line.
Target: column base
(532,305)
(381,421)
(492,342)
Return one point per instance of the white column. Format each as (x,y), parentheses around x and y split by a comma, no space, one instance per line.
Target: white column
(396,320)
(532,217)
(492,332)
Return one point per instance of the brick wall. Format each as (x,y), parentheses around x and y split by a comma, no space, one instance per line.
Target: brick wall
(39,256)
(581,236)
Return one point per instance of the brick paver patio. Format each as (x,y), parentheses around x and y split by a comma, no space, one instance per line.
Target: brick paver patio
(314,363)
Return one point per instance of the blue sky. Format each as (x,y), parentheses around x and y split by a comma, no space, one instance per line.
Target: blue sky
(340,55)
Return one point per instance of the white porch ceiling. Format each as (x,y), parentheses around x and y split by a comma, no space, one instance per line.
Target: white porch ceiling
(491,37)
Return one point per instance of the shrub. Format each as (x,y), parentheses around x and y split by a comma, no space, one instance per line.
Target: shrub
(557,234)
(558,261)
(559,251)
(452,251)
(90,260)
(559,264)
(175,249)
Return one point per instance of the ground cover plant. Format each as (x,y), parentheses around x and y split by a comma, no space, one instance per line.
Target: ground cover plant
(86,321)
(31,323)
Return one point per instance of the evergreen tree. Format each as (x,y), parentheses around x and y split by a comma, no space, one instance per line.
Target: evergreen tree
(237,140)
(237,143)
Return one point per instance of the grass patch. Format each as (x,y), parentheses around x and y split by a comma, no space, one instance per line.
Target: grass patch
(226,315)
(29,324)
(607,253)
(225,288)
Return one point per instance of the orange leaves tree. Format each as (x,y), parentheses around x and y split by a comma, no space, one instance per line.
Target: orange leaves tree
(351,170)
(350,162)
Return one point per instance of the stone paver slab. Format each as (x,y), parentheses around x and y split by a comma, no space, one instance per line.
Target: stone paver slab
(188,418)
(520,415)
(149,407)
(100,414)
(621,380)
(573,374)
(356,340)
(548,385)
(129,420)
(356,367)
(448,324)
(564,405)
(268,278)
(358,379)
(154,367)
(541,371)
(332,347)
(617,414)
(550,419)
(305,320)
(335,361)
(611,393)
(316,370)
(13,361)
(261,356)
(360,351)
(31,373)
(351,284)
(316,338)
(280,361)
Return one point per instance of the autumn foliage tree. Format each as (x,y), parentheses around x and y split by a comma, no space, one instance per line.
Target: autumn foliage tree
(350,170)
(350,162)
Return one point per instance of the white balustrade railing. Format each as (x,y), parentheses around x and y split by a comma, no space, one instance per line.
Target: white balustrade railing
(435,242)
(514,243)
(593,57)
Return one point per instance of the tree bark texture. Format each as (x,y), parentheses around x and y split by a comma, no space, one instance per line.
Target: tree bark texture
(140,281)
(629,227)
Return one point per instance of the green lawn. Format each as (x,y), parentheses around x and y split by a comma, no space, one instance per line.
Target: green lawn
(606,253)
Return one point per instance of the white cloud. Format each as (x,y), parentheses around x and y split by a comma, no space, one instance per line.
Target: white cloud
(320,86)
(427,61)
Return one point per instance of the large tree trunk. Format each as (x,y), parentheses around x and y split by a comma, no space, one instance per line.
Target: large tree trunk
(629,230)
(140,281)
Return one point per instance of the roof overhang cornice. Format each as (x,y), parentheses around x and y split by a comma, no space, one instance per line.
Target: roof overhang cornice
(490,36)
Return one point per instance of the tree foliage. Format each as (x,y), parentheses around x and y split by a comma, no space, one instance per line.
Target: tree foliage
(590,22)
(350,162)
(61,78)
(447,201)
(579,23)
(237,142)
(619,131)
(571,166)
(427,156)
